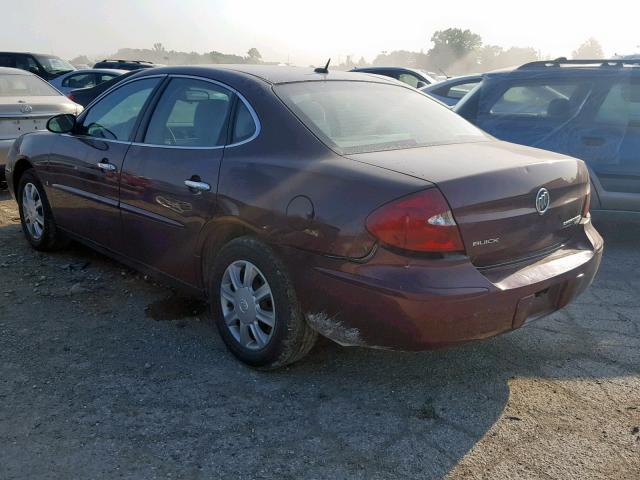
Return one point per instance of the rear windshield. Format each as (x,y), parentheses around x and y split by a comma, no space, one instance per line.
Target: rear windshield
(25,86)
(358,117)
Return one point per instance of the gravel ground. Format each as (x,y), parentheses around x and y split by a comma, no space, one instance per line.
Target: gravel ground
(106,374)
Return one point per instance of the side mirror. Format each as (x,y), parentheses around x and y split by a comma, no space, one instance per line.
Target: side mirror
(63,123)
(421,84)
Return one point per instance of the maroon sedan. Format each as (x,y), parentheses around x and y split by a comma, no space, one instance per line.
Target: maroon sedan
(302,202)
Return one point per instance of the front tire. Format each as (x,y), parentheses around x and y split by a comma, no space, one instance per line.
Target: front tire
(255,306)
(36,217)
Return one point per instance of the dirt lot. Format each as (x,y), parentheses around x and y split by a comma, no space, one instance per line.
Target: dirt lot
(105,374)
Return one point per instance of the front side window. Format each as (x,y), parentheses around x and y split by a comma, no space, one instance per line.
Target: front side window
(544,99)
(355,117)
(114,116)
(25,62)
(25,86)
(190,113)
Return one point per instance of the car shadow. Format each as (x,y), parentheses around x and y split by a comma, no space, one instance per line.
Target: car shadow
(99,367)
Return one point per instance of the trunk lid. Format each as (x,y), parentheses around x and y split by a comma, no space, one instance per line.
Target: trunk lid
(492,189)
(19,115)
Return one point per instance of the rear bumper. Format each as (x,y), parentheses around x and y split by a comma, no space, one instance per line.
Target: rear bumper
(396,302)
(5,146)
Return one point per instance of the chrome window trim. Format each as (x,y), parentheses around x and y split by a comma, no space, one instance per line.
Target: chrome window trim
(117,86)
(253,113)
(242,98)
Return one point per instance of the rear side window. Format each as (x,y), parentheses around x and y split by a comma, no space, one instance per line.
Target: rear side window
(25,86)
(114,116)
(409,79)
(355,117)
(621,106)
(243,126)
(80,80)
(456,92)
(548,99)
(7,61)
(191,113)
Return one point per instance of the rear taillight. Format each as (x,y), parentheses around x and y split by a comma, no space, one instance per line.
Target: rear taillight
(587,202)
(421,222)
(71,97)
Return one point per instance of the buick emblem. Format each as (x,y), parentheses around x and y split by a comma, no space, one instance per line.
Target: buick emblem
(244,306)
(26,108)
(543,200)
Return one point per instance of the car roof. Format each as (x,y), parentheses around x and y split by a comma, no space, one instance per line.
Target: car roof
(14,71)
(272,74)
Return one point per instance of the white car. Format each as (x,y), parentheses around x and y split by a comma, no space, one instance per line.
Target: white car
(26,103)
(84,78)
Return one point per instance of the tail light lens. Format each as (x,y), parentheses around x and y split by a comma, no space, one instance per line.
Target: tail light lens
(421,222)
(71,97)
(587,201)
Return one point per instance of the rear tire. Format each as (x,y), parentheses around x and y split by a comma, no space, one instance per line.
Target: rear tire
(255,306)
(36,217)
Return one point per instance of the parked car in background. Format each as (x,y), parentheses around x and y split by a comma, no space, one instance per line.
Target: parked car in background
(45,66)
(84,96)
(411,76)
(452,90)
(232,183)
(589,109)
(26,103)
(84,78)
(126,64)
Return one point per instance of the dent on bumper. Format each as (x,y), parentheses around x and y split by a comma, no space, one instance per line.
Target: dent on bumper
(398,303)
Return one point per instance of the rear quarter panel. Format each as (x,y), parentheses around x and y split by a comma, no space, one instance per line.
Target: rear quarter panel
(292,190)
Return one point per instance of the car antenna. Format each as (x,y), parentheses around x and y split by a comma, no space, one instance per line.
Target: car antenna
(324,69)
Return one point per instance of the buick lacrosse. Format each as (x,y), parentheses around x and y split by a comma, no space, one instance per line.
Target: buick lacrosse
(301,201)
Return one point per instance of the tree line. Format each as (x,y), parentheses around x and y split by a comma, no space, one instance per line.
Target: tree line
(454,51)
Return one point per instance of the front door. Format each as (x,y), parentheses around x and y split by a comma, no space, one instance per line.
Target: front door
(170,176)
(84,167)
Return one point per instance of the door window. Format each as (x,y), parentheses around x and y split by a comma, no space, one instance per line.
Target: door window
(547,100)
(409,79)
(244,126)
(25,62)
(115,115)
(7,61)
(618,124)
(621,106)
(191,113)
(80,80)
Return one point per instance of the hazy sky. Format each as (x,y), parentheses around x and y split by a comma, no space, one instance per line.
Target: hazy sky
(310,31)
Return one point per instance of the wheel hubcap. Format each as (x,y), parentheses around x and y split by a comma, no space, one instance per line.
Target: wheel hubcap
(247,305)
(32,211)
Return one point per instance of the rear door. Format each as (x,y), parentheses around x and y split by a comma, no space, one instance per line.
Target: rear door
(84,167)
(607,138)
(170,175)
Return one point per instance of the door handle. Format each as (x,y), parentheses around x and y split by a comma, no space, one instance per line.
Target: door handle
(197,185)
(106,166)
